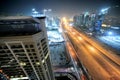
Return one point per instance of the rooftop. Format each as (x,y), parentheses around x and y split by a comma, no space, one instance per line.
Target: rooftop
(19,25)
(19,19)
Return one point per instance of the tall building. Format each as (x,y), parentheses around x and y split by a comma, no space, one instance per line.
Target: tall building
(24,50)
(76,20)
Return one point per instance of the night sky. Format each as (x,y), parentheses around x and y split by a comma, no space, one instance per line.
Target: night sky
(59,7)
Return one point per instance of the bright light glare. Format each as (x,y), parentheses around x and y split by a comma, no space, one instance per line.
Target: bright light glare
(60,30)
(105,10)
(110,33)
(64,19)
(23,64)
(19,78)
(33,9)
(80,38)
(91,48)
(72,68)
(104,25)
(37,63)
(71,24)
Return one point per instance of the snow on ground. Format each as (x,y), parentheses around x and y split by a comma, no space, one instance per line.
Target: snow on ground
(54,36)
(113,41)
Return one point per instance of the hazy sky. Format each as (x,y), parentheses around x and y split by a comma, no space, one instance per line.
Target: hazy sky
(59,7)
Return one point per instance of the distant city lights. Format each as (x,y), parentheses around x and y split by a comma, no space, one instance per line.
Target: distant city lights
(110,33)
(105,10)
(36,13)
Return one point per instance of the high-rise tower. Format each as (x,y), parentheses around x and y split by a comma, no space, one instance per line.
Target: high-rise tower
(24,50)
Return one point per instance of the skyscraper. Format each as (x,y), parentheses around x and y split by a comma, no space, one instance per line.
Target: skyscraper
(24,50)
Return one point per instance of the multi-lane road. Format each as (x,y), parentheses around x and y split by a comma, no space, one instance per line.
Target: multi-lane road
(101,63)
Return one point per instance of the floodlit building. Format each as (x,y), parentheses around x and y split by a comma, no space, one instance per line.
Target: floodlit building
(24,50)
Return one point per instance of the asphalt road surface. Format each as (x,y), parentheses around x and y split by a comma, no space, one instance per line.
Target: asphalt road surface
(101,64)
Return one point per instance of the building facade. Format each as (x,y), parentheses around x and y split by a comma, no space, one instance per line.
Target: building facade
(24,50)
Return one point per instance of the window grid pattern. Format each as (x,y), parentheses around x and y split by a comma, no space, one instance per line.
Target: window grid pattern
(15,70)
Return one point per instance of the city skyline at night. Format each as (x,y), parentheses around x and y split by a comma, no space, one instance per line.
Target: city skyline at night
(59,7)
(59,39)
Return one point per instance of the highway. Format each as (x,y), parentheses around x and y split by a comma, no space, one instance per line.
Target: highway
(101,64)
(80,73)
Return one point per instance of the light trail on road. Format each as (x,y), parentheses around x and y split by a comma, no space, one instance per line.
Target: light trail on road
(102,64)
(72,53)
